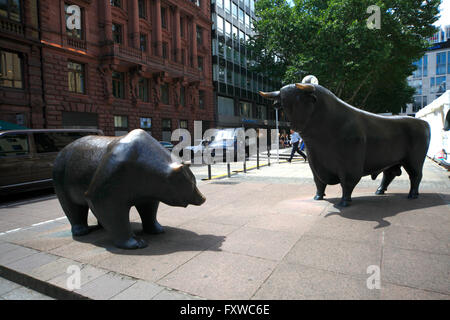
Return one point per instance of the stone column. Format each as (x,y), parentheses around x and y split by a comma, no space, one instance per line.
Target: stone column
(107,21)
(158,28)
(134,24)
(177,35)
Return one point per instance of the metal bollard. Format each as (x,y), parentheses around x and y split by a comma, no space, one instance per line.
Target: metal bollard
(245,166)
(209,172)
(228,169)
(268,156)
(257,156)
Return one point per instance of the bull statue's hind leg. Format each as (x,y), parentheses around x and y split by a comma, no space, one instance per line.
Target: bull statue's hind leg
(415,176)
(320,186)
(388,176)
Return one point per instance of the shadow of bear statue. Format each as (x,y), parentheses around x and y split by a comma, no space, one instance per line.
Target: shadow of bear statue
(109,175)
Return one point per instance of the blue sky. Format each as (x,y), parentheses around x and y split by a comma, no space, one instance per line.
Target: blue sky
(445,14)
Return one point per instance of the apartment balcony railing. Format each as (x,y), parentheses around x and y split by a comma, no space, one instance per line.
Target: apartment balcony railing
(11,27)
(76,43)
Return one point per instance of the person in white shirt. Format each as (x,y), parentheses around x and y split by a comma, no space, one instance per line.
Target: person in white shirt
(295,140)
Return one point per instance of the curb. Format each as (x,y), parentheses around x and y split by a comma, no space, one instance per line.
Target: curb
(40,286)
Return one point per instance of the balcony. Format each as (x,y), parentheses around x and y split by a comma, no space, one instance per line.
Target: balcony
(11,27)
(76,43)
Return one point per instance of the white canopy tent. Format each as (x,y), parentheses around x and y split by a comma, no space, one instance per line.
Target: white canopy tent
(435,114)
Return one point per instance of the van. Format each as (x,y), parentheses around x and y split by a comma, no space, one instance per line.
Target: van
(27,156)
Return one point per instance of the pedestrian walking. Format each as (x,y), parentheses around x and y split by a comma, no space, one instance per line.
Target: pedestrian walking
(295,140)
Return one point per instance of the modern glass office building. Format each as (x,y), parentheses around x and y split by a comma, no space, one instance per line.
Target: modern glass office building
(432,75)
(236,87)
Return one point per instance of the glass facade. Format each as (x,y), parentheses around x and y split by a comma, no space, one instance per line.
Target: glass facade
(237,85)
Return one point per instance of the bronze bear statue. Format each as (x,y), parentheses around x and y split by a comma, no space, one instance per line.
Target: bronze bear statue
(109,175)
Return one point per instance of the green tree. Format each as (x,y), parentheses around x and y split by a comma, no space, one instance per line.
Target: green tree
(331,40)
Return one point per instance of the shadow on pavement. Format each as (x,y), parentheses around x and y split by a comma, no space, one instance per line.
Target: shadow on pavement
(378,207)
(172,240)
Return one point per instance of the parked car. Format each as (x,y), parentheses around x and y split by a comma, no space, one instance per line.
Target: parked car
(226,139)
(197,148)
(27,156)
(167,145)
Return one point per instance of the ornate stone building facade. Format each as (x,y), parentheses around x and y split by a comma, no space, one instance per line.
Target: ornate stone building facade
(123,64)
(21,100)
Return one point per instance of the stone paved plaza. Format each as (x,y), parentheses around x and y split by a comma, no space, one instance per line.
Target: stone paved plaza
(258,236)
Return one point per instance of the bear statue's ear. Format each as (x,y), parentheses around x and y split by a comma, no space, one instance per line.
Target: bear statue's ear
(186,163)
(176,167)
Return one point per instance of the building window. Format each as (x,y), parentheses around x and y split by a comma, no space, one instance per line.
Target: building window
(182,96)
(227,6)
(76,77)
(164,93)
(234,10)
(116,3)
(219,24)
(183,56)
(120,125)
(440,84)
(142,9)
(247,20)
(10,70)
(197,3)
(118,85)
(10,9)
(165,50)
(117,32)
(166,129)
(225,106)
(201,99)
(182,27)
(146,124)
(241,16)
(245,109)
(199,35)
(74,33)
(143,89)
(143,42)
(228,29)
(200,63)
(164,17)
(440,63)
(425,66)
(261,112)
(219,3)
(183,124)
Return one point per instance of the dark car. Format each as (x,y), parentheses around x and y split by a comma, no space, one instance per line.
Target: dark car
(167,145)
(27,156)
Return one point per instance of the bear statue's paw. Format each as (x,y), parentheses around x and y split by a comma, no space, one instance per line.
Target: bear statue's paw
(156,228)
(380,191)
(132,243)
(318,196)
(79,230)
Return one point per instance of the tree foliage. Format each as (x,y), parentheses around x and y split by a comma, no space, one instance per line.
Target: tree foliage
(330,39)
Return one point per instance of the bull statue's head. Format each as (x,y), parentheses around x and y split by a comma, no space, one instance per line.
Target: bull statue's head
(297,100)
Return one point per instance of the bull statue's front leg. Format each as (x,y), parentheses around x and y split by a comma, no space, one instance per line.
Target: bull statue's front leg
(388,176)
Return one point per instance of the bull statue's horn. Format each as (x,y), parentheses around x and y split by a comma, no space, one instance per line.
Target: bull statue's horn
(305,87)
(270,95)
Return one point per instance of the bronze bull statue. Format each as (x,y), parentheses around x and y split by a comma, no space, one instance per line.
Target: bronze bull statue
(345,143)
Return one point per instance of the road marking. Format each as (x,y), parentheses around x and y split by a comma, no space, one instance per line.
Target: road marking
(33,225)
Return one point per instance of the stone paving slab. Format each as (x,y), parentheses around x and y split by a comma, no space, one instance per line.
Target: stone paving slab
(258,236)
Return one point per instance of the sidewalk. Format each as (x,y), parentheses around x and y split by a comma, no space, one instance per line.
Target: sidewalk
(258,236)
